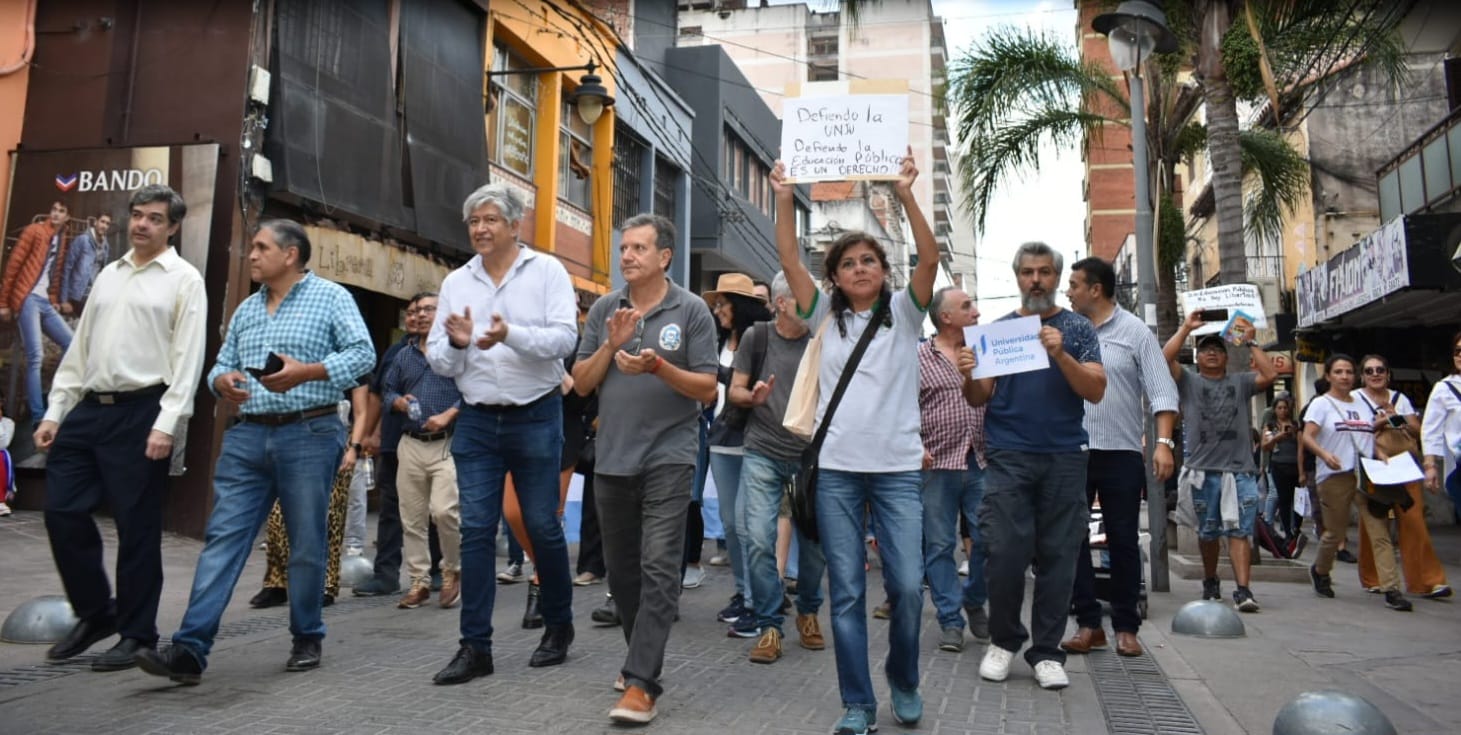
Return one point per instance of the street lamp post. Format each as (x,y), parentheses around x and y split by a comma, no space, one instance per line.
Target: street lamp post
(1135,31)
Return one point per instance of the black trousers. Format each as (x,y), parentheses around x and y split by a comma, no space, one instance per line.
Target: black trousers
(1117,478)
(590,539)
(99,457)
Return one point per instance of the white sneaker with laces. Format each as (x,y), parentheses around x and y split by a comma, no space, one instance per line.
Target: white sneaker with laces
(4,510)
(996,663)
(693,577)
(1051,675)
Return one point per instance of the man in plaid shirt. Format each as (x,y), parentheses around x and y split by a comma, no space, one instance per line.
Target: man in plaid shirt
(953,470)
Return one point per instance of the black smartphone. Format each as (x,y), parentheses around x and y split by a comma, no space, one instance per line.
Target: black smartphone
(1397,421)
(273,365)
(1214,315)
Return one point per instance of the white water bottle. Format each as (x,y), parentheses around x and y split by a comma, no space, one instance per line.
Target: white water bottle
(366,469)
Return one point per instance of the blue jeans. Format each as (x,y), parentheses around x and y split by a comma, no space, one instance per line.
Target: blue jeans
(489,443)
(843,499)
(763,482)
(1207,504)
(726,469)
(1453,489)
(1034,509)
(258,464)
(946,495)
(36,315)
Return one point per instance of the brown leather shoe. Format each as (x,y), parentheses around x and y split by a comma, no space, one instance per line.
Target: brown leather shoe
(636,707)
(810,632)
(1084,640)
(451,588)
(417,597)
(1127,644)
(768,649)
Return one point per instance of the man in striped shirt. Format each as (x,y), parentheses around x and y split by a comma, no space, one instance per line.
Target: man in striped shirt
(953,470)
(1136,377)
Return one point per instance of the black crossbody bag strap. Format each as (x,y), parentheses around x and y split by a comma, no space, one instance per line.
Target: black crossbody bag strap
(848,370)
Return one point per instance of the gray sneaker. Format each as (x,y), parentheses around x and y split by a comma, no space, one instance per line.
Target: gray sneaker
(978,622)
(952,640)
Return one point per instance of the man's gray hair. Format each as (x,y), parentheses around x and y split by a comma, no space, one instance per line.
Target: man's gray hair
(664,229)
(508,201)
(779,286)
(1039,250)
(936,304)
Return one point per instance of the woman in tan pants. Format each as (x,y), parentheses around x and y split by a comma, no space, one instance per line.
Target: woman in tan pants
(1424,575)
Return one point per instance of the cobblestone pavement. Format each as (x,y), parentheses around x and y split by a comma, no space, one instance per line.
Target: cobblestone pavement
(378,664)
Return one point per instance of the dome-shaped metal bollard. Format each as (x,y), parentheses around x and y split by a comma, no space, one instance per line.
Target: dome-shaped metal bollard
(355,570)
(1331,713)
(45,619)
(1208,619)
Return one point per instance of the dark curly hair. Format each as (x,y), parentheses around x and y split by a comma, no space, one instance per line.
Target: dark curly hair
(839,248)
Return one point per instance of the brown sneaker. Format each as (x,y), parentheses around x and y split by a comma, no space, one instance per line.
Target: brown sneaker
(768,648)
(417,597)
(451,588)
(1084,640)
(635,707)
(810,632)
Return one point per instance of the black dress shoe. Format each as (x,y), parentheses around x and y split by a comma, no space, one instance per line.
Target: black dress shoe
(176,663)
(120,657)
(304,655)
(269,597)
(329,599)
(82,636)
(531,617)
(553,649)
(607,614)
(468,664)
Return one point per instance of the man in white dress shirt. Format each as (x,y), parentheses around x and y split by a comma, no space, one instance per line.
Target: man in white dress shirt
(122,392)
(504,323)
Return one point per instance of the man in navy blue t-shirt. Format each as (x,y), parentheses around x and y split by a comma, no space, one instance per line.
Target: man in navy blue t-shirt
(1035,502)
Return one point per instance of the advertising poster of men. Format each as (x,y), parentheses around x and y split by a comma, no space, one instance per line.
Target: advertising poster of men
(66,220)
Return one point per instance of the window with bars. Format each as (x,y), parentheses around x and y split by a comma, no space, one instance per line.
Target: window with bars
(628,159)
(511,132)
(666,181)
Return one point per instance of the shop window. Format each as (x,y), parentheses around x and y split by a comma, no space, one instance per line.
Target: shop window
(575,159)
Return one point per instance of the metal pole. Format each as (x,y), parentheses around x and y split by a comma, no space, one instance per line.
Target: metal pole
(1156,496)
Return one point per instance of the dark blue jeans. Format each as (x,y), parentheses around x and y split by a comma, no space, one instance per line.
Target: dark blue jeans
(763,483)
(947,494)
(489,443)
(294,464)
(1034,508)
(1117,478)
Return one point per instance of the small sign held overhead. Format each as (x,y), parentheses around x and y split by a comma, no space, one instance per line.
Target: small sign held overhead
(840,131)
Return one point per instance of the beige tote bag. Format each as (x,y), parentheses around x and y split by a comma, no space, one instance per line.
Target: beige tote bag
(801,406)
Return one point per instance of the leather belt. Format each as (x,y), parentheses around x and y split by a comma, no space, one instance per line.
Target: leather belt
(123,396)
(500,408)
(432,437)
(284,419)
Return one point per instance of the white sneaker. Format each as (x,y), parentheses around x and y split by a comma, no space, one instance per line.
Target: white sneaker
(1051,675)
(996,663)
(4,510)
(964,568)
(693,577)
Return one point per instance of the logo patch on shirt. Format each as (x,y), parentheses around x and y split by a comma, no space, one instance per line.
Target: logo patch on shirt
(670,337)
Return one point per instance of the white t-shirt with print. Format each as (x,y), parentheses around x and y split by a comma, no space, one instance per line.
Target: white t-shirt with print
(1344,431)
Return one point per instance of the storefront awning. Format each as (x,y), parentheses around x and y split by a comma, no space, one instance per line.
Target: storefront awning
(1399,276)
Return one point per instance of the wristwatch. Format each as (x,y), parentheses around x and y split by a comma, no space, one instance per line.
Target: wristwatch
(1168,443)
(356,446)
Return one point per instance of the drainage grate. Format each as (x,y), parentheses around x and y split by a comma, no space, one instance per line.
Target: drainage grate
(1137,698)
(30,674)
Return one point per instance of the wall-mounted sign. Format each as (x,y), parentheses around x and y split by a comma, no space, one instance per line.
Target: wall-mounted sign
(1369,270)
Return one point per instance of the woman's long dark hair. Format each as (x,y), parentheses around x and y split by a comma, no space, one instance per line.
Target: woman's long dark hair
(745,311)
(834,254)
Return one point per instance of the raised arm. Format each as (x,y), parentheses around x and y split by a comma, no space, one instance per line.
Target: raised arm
(921,282)
(1174,343)
(803,287)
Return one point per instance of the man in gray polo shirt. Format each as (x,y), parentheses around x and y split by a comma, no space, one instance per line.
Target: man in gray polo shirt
(1136,373)
(649,349)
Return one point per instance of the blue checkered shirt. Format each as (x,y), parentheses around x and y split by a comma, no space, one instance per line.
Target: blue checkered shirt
(316,322)
(410,374)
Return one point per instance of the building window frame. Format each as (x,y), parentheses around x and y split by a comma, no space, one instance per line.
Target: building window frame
(514,114)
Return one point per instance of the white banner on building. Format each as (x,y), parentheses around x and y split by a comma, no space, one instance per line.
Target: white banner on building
(1370,270)
(838,131)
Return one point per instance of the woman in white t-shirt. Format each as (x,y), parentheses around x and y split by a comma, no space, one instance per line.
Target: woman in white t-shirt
(1338,430)
(873,453)
(1440,435)
(1397,428)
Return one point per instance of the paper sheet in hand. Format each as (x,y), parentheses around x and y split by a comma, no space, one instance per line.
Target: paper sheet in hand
(1007,347)
(1398,471)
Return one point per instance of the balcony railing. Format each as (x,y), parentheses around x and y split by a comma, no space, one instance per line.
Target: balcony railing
(1265,266)
(1426,173)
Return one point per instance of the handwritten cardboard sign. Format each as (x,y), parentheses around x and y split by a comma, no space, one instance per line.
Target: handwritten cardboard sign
(837,131)
(1007,347)
(1236,297)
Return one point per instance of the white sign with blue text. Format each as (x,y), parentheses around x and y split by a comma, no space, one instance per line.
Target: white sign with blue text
(1007,347)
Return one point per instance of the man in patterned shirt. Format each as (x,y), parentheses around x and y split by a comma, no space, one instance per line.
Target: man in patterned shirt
(1035,489)
(953,470)
(292,348)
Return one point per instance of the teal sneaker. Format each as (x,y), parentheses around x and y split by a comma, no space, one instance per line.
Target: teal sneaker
(857,721)
(907,705)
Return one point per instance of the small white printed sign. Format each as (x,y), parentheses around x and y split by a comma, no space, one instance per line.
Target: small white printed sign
(1007,347)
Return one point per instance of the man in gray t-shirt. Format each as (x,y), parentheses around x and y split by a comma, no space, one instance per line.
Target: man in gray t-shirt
(773,456)
(1219,479)
(649,350)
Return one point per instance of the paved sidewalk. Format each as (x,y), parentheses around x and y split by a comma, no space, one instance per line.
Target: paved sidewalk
(379,661)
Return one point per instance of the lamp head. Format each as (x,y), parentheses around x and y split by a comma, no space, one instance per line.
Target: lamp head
(591,97)
(1135,31)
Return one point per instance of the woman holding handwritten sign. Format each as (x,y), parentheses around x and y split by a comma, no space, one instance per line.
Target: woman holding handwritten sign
(872,453)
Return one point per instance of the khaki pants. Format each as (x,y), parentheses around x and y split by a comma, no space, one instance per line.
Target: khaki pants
(1423,571)
(426,484)
(1337,494)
